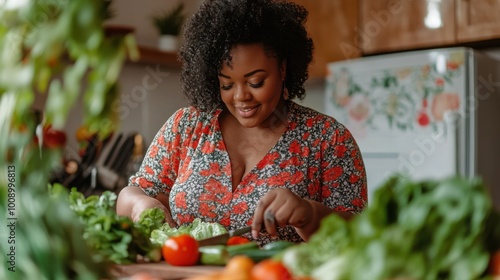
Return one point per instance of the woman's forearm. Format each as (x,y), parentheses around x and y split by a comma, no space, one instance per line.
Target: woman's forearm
(319,211)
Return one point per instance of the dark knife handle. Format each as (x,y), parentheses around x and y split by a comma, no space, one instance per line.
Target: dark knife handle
(240,231)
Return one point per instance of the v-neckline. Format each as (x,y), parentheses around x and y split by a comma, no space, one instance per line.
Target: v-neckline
(253,169)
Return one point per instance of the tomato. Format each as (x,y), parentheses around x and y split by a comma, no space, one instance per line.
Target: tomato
(239,264)
(236,240)
(270,269)
(181,250)
(495,263)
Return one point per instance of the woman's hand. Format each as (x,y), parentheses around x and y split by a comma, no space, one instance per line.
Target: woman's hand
(145,203)
(281,207)
(132,201)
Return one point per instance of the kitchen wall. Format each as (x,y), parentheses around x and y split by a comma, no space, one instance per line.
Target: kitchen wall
(150,93)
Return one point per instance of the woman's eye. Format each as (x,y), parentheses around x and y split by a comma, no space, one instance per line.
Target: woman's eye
(228,87)
(257,85)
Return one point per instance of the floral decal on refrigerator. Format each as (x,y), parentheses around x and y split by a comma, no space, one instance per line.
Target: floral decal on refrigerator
(399,98)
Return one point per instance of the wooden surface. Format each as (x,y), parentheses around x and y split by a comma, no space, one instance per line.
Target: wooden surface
(393,25)
(332,26)
(156,56)
(478,20)
(163,271)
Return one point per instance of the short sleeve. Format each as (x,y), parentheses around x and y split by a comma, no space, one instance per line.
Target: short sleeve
(160,166)
(344,185)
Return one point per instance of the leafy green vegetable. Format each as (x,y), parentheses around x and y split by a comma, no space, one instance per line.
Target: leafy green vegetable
(197,229)
(201,230)
(44,241)
(150,219)
(419,230)
(116,238)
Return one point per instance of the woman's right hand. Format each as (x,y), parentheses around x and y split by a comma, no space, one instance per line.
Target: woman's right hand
(132,201)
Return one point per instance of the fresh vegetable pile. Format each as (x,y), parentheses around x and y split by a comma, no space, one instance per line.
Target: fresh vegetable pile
(184,250)
(221,254)
(119,240)
(414,230)
(116,238)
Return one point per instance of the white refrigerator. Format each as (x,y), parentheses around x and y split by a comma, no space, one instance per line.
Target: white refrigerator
(426,114)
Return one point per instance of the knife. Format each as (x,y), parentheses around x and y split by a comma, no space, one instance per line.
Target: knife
(222,238)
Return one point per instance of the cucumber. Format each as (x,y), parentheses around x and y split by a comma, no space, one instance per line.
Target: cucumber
(245,246)
(256,255)
(278,245)
(213,255)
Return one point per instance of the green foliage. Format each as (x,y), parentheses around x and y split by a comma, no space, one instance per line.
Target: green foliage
(53,50)
(170,22)
(47,241)
(107,12)
(412,229)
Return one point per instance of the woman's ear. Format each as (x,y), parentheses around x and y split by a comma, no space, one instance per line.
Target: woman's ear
(283,69)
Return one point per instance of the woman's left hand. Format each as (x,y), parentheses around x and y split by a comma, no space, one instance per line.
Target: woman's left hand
(281,207)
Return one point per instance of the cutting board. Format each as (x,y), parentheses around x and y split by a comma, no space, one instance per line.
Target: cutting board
(163,270)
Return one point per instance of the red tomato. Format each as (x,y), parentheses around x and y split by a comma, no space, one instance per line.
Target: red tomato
(235,240)
(181,250)
(270,269)
(495,264)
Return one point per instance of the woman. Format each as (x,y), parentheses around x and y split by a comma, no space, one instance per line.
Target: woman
(244,153)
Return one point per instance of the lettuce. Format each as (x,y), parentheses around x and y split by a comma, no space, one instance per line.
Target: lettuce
(198,229)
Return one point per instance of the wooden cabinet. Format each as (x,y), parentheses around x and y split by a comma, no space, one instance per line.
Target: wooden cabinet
(478,20)
(398,25)
(395,25)
(332,26)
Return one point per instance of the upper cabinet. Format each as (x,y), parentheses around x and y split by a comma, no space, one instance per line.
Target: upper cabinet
(395,25)
(398,25)
(478,20)
(332,26)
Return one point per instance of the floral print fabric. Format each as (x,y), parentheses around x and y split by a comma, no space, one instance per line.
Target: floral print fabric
(317,158)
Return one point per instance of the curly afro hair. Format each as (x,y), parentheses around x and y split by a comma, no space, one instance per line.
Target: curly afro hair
(218,25)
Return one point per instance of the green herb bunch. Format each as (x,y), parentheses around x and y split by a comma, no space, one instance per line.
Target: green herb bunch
(434,229)
(116,238)
(170,23)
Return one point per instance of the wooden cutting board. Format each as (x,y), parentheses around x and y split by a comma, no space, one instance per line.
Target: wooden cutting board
(163,270)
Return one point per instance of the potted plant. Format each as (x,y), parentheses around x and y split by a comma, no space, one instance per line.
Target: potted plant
(169,25)
(111,30)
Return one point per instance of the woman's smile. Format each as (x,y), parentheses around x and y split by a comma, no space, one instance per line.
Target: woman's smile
(247,111)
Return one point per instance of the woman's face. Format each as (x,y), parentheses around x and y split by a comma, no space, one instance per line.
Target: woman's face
(251,88)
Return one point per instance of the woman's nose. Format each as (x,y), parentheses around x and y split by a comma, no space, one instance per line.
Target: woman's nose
(242,93)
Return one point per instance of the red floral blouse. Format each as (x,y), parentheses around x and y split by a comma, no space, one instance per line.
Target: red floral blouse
(316,158)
